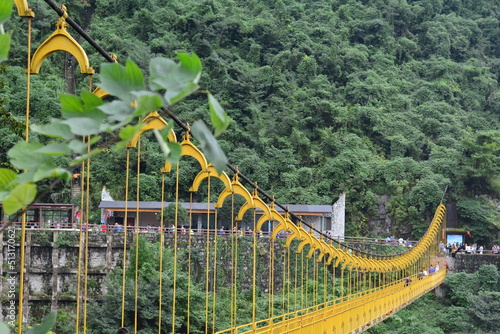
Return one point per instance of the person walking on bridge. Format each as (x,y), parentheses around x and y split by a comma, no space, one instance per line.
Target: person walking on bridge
(432,270)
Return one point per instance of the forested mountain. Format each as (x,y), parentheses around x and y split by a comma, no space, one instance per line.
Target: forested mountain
(371,98)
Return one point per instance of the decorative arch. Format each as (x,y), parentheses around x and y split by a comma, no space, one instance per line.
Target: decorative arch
(205,173)
(23,9)
(188,149)
(284,224)
(334,254)
(258,204)
(100,93)
(60,40)
(152,121)
(265,217)
(296,234)
(236,188)
(307,239)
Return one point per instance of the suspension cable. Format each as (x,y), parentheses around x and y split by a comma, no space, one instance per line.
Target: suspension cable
(190,237)
(87,206)
(136,236)
(80,250)
(176,230)
(160,288)
(214,273)
(234,238)
(207,272)
(23,217)
(125,226)
(254,269)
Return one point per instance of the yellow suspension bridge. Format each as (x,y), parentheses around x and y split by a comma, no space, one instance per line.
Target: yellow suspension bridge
(304,283)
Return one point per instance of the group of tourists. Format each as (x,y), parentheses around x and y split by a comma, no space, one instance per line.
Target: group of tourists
(455,248)
(400,242)
(422,274)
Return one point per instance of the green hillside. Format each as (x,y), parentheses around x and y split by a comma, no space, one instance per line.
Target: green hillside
(370,98)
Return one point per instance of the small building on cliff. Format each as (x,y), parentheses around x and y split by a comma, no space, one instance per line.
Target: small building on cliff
(326,218)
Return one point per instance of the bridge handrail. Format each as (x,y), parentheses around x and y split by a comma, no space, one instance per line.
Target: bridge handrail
(344,303)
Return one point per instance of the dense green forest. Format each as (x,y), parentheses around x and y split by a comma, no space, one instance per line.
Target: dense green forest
(378,99)
(370,98)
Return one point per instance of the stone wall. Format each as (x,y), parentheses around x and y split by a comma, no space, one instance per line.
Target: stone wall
(52,257)
(470,263)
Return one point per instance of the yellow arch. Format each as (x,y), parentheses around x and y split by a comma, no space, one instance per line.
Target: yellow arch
(347,258)
(258,204)
(100,93)
(152,121)
(297,233)
(318,244)
(236,188)
(366,264)
(209,171)
(188,149)
(323,246)
(22,8)
(334,254)
(60,40)
(262,220)
(284,224)
(409,258)
(307,239)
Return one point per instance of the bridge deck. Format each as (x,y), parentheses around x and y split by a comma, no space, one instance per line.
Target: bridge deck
(351,314)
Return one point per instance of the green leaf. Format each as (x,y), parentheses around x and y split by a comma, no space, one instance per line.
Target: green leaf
(74,107)
(209,145)
(84,126)
(56,129)
(26,156)
(171,151)
(118,110)
(4,195)
(147,102)
(179,80)
(77,146)
(51,171)
(84,157)
(4,329)
(175,152)
(120,81)
(47,323)
(4,46)
(26,177)
(191,64)
(126,134)
(218,116)
(175,96)
(55,149)
(5,10)
(22,195)
(6,177)
(70,105)
(90,100)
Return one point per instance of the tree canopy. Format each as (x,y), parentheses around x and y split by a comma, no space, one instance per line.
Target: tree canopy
(370,98)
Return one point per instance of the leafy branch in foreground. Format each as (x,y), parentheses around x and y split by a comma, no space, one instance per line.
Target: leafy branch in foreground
(5,11)
(87,116)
